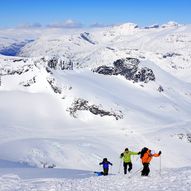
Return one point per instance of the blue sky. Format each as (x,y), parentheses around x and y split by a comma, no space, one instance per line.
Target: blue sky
(88,12)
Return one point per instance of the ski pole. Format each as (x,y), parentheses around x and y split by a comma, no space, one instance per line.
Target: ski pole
(119,166)
(100,168)
(137,158)
(111,170)
(136,172)
(160,166)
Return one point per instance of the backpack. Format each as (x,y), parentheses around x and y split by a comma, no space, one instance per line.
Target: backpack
(143,151)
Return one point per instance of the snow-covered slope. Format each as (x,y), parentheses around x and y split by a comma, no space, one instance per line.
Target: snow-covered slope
(61,179)
(70,98)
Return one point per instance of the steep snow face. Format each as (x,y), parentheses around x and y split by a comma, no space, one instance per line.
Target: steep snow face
(85,95)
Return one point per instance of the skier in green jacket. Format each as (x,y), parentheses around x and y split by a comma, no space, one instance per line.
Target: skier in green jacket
(126,156)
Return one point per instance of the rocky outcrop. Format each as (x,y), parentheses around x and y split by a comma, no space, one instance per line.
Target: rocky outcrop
(106,70)
(83,105)
(129,68)
(58,63)
(11,71)
(186,137)
(170,54)
(160,89)
(86,36)
(29,82)
(54,85)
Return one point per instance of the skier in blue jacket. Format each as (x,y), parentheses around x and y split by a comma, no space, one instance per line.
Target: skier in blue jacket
(105,164)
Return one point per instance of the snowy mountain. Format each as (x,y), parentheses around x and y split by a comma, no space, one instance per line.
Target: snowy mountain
(82,95)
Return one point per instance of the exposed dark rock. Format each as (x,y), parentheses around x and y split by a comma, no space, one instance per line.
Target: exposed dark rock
(142,57)
(110,48)
(53,62)
(126,67)
(82,105)
(57,63)
(43,59)
(186,136)
(144,75)
(180,136)
(46,165)
(66,65)
(189,137)
(170,54)
(129,69)
(19,60)
(48,70)
(53,85)
(86,37)
(79,104)
(106,70)
(52,166)
(19,71)
(160,89)
(29,82)
(174,67)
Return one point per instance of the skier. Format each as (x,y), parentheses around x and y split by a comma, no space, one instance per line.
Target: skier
(105,164)
(126,156)
(146,157)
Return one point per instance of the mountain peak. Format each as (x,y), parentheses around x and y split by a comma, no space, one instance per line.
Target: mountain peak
(126,26)
(171,24)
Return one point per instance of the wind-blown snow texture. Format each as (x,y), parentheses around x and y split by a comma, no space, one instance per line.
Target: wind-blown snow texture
(169,180)
(69,98)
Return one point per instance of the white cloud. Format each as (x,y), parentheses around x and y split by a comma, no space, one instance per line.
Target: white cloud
(99,25)
(69,23)
(28,25)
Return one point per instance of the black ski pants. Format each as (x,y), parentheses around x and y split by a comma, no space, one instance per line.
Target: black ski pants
(125,164)
(146,169)
(105,171)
